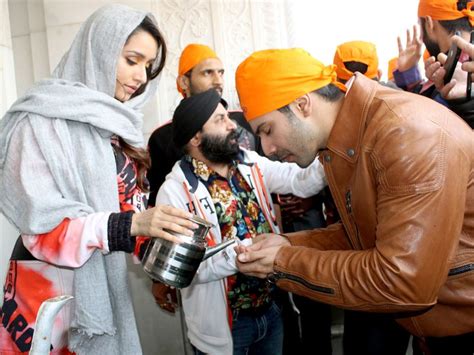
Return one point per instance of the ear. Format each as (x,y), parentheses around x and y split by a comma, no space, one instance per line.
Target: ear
(196,140)
(303,104)
(430,25)
(183,82)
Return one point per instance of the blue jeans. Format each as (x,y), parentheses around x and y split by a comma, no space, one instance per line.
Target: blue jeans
(262,335)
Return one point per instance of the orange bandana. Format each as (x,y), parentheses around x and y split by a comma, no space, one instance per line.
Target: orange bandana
(445,10)
(270,79)
(356,51)
(191,56)
(392,66)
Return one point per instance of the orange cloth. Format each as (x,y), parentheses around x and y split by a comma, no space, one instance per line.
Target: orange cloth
(392,66)
(445,10)
(426,55)
(191,56)
(270,79)
(356,51)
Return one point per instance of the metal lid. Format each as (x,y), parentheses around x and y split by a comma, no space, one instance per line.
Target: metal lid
(201,221)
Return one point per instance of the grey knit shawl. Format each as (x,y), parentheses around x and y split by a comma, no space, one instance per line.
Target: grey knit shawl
(72,118)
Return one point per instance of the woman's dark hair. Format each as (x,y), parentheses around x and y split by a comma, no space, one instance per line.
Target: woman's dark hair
(149,26)
(142,160)
(139,155)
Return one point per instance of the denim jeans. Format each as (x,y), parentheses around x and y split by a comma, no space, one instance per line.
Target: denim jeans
(262,335)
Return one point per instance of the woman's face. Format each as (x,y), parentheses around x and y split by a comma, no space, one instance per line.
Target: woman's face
(137,56)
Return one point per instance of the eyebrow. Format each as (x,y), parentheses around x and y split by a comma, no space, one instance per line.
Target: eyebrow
(257,131)
(138,54)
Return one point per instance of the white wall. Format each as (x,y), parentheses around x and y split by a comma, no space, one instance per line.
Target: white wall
(320,26)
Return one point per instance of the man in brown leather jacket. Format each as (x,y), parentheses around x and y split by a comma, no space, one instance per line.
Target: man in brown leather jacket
(401,170)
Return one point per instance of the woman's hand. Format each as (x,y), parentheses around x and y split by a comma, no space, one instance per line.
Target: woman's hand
(154,221)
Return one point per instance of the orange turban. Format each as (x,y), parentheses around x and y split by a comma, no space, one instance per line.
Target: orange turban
(445,10)
(191,56)
(426,55)
(356,51)
(270,79)
(392,66)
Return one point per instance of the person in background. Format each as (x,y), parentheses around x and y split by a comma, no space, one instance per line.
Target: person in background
(356,56)
(439,21)
(72,181)
(400,168)
(391,67)
(227,312)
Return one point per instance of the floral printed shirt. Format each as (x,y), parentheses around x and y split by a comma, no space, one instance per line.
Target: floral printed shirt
(239,215)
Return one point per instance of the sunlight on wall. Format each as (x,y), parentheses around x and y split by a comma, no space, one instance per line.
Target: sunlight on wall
(320,26)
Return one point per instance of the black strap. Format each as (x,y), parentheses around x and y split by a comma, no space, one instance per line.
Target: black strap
(20,252)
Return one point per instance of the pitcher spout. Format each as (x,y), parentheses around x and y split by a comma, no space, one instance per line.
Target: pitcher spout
(210,251)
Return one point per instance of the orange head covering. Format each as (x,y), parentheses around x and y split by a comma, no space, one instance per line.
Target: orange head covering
(445,10)
(270,79)
(191,56)
(356,51)
(392,66)
(426,55)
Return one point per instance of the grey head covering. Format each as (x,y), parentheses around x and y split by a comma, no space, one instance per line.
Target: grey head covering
(64,125)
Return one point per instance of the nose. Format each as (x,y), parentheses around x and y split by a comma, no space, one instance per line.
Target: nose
(231,125)
(218,78)
(140,74)
(268,148)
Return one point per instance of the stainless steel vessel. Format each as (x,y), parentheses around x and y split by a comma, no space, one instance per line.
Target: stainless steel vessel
(176,264)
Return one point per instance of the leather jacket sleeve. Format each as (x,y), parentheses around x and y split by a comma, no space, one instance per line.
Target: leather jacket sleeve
(331,238)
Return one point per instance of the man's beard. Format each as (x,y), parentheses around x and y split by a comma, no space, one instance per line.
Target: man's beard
(218,149)
(431,46)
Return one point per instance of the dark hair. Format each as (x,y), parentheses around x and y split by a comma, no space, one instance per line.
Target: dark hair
(354,66)
(330,93)
(461,24)
(139,155)
(147,25)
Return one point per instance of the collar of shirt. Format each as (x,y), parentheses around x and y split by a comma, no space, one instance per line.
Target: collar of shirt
(205,172)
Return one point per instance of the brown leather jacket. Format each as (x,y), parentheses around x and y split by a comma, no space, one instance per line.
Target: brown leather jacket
(400,168)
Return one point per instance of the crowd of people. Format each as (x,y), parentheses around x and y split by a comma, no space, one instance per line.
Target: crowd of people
(340,190)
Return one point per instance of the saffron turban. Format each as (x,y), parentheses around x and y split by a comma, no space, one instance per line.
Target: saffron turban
(356,51)
(270,79)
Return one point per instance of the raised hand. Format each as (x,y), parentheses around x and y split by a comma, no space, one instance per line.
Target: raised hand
(410,55)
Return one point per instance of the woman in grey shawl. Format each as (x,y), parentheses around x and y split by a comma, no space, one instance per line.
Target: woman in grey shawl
(72,181)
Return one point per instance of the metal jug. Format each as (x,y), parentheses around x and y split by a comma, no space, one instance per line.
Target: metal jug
(176,264)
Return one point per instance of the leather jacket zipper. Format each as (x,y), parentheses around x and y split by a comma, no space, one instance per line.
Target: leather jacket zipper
(351,217)
(461,269)
(273,278)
